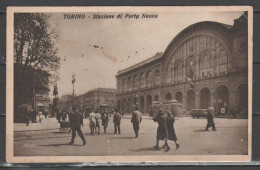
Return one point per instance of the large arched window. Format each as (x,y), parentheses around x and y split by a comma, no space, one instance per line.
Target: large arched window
(168,96)
(149,79)
(157,77)
(223,62)
(129,84)
(204,66)
(179,72)
(135,82)
(243,56)
(123,85)
(168,75)
(142,80)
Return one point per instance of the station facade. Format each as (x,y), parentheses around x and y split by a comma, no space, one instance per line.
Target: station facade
(206,64)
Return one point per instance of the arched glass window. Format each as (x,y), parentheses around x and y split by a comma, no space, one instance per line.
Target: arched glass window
(223,62)
(123,85)
(179,72)
(168,75)
(168,96)
(135,82)
(204,66)
(157,77)
(142,80)
(129,84)
(149,79)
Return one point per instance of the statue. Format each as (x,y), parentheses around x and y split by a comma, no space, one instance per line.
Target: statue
(55,91)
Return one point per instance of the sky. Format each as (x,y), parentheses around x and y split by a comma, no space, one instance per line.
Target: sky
(125,42)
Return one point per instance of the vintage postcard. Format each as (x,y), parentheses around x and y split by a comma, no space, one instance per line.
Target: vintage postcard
(129,84)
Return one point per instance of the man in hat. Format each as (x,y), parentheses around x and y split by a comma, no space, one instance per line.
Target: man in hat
(76,120)
(105,120)
(162,133)
(116,121)
(210,119)
(92,122)
(98,118)
(136,120)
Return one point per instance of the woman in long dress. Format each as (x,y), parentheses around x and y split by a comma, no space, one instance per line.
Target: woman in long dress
(170,128)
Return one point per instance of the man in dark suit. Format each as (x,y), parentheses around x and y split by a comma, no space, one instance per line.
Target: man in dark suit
(116,121)
(136,120)
(210,119)
(76,120)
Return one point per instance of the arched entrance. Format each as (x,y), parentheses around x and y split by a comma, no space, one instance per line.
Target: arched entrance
(178,96)
(141,104)
(222,95)
(190,100)
(242,96)
(149,102)
(129,108)
(204,98)
(168,96)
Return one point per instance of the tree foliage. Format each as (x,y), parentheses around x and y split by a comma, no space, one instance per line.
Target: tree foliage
(35,55)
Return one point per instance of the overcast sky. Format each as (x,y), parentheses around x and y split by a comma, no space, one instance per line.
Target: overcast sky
(125,42)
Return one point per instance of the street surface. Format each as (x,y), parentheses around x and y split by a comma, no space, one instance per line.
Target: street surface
(46,139)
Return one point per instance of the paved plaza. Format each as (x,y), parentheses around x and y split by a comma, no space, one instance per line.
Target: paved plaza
(46,139)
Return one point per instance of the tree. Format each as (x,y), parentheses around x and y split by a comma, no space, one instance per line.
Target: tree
(35,56)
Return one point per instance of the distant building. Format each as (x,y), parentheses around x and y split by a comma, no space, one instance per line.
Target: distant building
(99,98)
(42,102)
(204,65)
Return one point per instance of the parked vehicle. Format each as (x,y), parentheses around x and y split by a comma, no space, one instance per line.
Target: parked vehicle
(197,113)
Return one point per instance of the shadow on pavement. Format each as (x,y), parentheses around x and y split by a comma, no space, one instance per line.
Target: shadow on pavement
(30,138)
(144,149)
(34,130)
(61,144)
(127,137)
(200,130)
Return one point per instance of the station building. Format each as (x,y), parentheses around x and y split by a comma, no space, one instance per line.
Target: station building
(206,64)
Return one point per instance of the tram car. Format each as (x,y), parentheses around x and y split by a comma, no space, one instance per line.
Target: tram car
(171,105)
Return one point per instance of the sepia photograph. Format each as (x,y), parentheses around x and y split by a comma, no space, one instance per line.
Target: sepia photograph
(129,84)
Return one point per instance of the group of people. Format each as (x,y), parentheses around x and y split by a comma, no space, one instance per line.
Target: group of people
(165,130)
(34,116)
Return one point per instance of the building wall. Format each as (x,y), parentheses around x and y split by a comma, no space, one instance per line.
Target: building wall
(42,101)
(205,65)
(97,97)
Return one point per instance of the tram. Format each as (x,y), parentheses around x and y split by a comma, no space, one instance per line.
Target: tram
(172,105)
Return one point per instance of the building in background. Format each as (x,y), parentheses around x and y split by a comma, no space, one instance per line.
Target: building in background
(204,65)
(42,102)
(99,98)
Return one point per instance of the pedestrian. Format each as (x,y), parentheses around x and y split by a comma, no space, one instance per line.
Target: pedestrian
(76,121)
(58,116)
(136,120)
(63,116)
(98,118)
(162,133)
(92,122)
(27,116)
(116,121)
(210,119)
(45,113)
(170,128)
(105,120)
